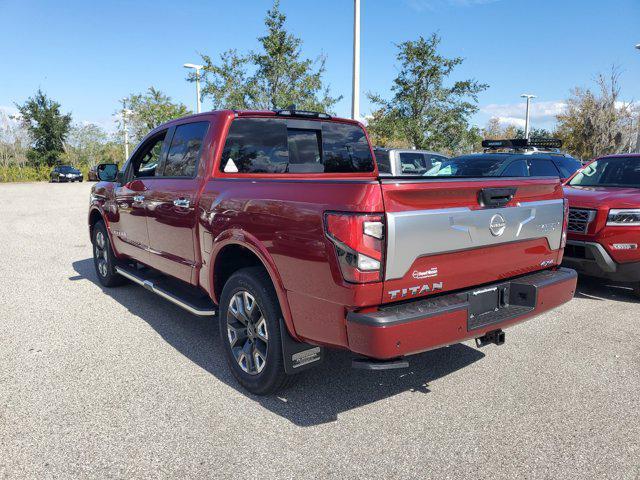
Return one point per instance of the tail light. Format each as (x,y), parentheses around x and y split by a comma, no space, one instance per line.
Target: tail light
(359,242)
(565,223)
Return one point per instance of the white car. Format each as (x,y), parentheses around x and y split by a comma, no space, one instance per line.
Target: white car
(396,162)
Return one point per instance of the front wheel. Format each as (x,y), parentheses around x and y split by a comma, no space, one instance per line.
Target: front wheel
(250,331)
(103,258)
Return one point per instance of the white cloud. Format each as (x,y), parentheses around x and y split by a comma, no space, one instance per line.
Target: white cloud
(514,113)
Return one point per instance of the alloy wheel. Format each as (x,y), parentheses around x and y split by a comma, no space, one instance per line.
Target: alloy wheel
(100,253)
(247,332)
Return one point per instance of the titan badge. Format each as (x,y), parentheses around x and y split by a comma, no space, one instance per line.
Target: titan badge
(414,291)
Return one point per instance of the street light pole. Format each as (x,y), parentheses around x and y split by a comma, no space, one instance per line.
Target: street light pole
(638,121)
(197,68)
(355,94)
(125,112)
(526,122)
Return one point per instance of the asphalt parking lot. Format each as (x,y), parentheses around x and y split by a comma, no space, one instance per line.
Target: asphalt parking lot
(119,383)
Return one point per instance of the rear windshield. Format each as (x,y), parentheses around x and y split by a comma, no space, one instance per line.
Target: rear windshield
(610,172)
(382,158)
(469,166)
(267,145)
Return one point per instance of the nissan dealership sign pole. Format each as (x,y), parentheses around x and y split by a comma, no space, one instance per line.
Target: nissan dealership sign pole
(355,96)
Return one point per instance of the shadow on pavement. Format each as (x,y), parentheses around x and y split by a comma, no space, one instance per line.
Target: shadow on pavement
(320,394)
(598,289)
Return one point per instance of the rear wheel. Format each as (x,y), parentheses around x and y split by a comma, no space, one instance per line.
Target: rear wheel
(103,258)
(250,331)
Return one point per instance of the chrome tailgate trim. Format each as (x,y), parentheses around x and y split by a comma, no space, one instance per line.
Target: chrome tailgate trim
(420,233)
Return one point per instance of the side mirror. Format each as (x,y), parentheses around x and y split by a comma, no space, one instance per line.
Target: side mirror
(107,172)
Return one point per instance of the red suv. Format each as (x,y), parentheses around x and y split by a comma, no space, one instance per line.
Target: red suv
(604,219)
(279,222)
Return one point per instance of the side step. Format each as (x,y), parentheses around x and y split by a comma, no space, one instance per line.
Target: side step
(173,290)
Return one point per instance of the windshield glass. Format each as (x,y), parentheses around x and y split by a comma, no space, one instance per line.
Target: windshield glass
(67,169)
(469,166)
(610,172)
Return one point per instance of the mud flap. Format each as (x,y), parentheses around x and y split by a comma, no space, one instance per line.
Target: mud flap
(298,356)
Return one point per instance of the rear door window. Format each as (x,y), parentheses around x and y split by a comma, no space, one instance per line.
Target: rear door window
(267,145)
(541,167)
(184,152)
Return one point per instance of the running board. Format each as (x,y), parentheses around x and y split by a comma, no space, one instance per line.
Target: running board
(169,290)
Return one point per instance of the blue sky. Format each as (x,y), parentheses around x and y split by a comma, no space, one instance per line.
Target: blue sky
(88,54)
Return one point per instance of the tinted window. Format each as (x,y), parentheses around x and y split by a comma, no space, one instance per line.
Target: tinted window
(345,148)
(184,152)
(540,167)
(382,158)
(413,163)
(469,166)
(516,169)
(567,165)
(304,150)
(256,145)
(611,172)
(264,145)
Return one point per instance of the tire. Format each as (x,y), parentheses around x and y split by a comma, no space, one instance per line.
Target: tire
(104,260)
(251,337)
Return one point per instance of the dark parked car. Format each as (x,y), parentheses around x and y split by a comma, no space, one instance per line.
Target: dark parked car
(511,158)
(65,173)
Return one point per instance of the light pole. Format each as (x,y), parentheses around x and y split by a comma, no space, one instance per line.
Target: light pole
(637,136)
(197,68)
(528,96)
(355,93)
(125,112)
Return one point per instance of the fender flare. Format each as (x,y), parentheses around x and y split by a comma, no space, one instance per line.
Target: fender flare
(97,208)
(244,239)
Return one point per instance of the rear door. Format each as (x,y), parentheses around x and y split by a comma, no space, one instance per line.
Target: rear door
(446,234)
(171,198)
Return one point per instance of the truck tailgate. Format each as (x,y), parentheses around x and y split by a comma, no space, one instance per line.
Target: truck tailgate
(448,234)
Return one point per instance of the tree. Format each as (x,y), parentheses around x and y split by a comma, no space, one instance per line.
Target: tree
(14,141)
(534,133)
(273,78)
(89,145)
(596,123)
(145,111)
(423,111)
(47,127)
(495,130)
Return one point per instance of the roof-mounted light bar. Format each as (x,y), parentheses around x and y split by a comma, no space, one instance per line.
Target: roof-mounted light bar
(522,143)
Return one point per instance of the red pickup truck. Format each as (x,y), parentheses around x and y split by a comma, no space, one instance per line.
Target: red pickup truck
(604,219)
(278,222)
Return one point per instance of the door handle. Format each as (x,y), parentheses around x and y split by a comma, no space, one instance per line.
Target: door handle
(182,202)
(138,198)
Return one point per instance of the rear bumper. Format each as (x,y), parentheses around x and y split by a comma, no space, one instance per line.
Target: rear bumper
(420,325)
(590,258)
